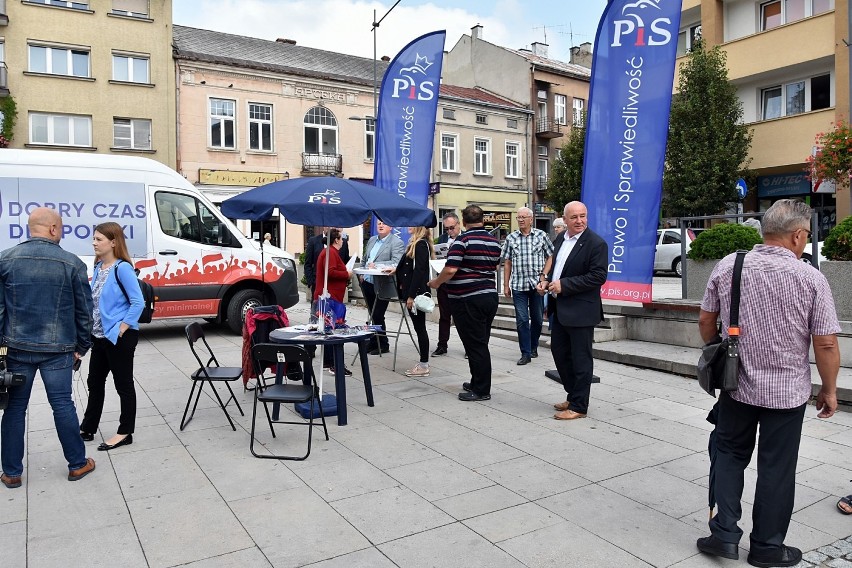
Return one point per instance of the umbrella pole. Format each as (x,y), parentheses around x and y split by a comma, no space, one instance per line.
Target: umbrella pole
(322,369)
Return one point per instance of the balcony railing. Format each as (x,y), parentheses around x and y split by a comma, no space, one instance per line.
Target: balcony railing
(322,163)
(541,184)
(548,128)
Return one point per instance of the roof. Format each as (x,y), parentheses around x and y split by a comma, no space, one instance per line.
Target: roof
(193,44)
(571,69)
(478,95)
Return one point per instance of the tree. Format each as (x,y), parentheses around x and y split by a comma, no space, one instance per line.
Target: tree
(708,145)
(566,173)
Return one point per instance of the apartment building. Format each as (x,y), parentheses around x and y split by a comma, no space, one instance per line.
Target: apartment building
(90,76)
(556,91)
(480,155)
(790,63)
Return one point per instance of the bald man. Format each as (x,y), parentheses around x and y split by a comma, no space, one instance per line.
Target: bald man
(46,323)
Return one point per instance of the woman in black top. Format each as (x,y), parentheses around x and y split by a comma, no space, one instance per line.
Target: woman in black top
(412,273)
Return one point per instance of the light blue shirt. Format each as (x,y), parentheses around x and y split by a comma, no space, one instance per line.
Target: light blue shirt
(371,256)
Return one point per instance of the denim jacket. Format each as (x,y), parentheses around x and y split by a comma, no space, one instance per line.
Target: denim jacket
(45,299)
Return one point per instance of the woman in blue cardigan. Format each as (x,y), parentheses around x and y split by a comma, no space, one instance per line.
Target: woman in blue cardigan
(115,334)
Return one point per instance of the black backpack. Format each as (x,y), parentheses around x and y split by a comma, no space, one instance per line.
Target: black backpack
(148,297)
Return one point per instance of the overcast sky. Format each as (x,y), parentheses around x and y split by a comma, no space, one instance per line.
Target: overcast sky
(344,26)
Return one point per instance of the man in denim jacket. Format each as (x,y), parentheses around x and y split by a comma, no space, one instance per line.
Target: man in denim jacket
(46,322)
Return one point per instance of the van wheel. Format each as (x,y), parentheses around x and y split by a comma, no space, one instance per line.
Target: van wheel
(240,303)
(677,266)
(806,258)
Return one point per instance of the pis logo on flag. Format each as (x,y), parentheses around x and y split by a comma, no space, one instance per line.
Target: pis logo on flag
(655,34)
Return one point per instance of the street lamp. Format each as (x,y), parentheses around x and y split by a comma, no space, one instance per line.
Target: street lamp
(376,24)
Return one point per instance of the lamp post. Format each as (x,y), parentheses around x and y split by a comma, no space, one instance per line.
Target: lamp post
(376,24)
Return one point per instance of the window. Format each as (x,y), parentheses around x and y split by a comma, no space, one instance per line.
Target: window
(222,124)
(135,8)
(131,69)
(260,127)
(131,133)
(59,61)
(542,150)
(320,131)
(185,217)
(670,238)
(513,154)
(449,114)
(78,5)
(687,38)
(449,147)
(560,104)
(778,12)
(370,139)
(542,95)
(60,129)
(511,123)
(795,97)
(542,173)
(481,156)
(770,15)
(481,119)
(578,109)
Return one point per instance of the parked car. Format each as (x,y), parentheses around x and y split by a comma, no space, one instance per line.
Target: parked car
(806,256)
(668,255)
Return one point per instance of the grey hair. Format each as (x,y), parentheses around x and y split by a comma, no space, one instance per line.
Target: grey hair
(785,216)
(450,215)
(558,222)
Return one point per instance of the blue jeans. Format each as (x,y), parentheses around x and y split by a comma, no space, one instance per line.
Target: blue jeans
(529,310)
(56,374)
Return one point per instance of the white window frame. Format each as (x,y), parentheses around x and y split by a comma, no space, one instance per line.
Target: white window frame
(808,12)
(543,176)
(76,5)
(481,119)
(53,52)
(134,125)
(327,124)
(51,130)
(560,108)
(784,87)
(370,139)
(687,38)
(131,66)
(449,154)
(578,107)
(513,160)
(131,13)
(259,122)
(223,119)
(542,150)
(481,158)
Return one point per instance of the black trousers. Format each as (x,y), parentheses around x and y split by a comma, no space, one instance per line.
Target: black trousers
(117,359)
(572,353)
(418,320)
(381,306)
(445,317)
(777,453)
(474,316)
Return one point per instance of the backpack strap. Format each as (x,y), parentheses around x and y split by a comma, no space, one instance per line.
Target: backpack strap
(117,279)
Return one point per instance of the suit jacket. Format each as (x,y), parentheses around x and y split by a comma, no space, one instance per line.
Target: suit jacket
(579,303)
(392,250)
(312,252)
(412,274)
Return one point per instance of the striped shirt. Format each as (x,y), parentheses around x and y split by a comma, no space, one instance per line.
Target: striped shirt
(783,302)
(476,254)
(527,253)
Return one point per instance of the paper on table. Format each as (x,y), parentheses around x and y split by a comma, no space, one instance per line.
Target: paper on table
(438,264)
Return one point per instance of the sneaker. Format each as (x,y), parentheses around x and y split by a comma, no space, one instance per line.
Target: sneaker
(417,371)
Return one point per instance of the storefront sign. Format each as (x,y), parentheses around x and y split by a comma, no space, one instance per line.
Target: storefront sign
(309,92)
(227,177)
(782,185)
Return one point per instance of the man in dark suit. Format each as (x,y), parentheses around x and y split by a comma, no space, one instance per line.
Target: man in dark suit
(312,252)
(452,228)
(573,277)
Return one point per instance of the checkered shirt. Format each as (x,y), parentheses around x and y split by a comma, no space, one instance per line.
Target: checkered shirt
(783,302)
(528,255)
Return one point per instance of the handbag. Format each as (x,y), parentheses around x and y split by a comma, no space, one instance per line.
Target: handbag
(424,303)
(719,364)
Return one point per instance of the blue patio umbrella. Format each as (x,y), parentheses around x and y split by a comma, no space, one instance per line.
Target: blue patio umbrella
(328,202)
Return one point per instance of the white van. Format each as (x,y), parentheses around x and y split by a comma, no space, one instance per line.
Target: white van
(198,262)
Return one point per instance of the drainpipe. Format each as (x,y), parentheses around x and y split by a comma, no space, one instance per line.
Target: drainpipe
(177,116)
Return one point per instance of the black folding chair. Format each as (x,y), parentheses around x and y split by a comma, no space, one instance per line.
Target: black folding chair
(208,373)
(266,354)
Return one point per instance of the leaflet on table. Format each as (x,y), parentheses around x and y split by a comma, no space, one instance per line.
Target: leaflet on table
(351,264)
(438,264)
(441,250)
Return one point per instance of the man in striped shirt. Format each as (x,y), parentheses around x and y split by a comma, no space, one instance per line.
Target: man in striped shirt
(785,305)
(470,275)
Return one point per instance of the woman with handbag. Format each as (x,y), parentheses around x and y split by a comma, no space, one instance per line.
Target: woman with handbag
(118,302)
(338,280)
(412,273)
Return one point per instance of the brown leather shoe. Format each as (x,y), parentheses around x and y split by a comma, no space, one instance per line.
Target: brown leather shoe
(82,472)
(562,406)
(568,415)
(11,482)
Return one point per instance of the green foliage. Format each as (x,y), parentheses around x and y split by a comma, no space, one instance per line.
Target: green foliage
(708,145)
(302,258)
(834,160)
(566,172)
(722,240)
(838,243)
(10,115)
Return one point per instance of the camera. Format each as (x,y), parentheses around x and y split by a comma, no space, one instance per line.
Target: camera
(7,379)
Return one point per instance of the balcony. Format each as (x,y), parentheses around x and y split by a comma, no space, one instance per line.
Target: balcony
(786,141)
(541,183)
(4,80)
(322,164)
(548,128)
(4,15)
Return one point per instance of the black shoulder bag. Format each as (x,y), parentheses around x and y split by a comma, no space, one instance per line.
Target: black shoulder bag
(719,364)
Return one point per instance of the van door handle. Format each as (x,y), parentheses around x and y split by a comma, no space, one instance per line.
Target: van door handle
(168,252)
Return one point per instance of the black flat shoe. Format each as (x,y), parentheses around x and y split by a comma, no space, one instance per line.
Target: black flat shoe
(712,545)
(86,436)
(104,447)
(473,397)
(784,556)
(466,386)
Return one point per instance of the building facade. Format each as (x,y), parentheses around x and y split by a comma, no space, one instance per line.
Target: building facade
(91,76)
(790,63)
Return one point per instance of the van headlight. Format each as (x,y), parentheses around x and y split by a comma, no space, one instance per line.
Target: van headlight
(284,263)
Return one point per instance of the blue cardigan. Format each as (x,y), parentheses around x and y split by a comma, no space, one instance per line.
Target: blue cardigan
(113,304)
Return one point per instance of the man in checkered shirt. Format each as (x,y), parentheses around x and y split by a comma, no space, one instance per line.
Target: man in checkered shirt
(525,252)
(785,305)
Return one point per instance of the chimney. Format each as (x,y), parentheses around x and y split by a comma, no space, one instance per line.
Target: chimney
(476,32)
(385,58)
(287,41)
(539,49)
(582,55)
